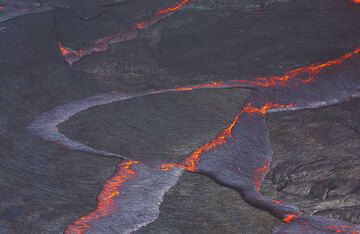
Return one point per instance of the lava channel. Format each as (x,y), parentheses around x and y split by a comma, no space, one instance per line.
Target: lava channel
(106,198)
(72,56)
(309,72)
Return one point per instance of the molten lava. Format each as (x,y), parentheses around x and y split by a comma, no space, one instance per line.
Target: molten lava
(311,71)
(262,111)
(173,8)
(289,218)
(102,44)
(63,50)
(140,25)
(190,162)
(260,173)
(106,198)
(343,229)
(207,85)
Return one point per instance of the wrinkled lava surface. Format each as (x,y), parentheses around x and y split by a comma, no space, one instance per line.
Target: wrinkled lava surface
(204,116)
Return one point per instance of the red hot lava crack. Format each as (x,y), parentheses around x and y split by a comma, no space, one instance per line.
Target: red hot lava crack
(106,199)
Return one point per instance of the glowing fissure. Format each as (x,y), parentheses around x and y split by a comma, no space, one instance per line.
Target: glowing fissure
(54,117)
(311,70)
(173,8)
(344,228)
(289,218)
(218,84)
(63,51)
(262,110)
(72,56)
(189,163)
(106,199)
(260,173)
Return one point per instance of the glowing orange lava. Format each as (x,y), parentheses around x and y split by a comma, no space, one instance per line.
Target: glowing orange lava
(190,162)
(63,50)
(259,174)
(140,25)
(343,229)
(262,111)
(111,189)
(289,218)
(106,198)
(311,71)
(200,86)
(173,8)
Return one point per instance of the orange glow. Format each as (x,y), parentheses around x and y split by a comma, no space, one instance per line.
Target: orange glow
(106,198)
(184,89)
(343,229)
(259,174)
(190,162)
(173,8)
(140,25)
(289,218)
(356,1)
(311,70)
(262,111)
(200,86)
(63,51)
(277,202)
(101,45)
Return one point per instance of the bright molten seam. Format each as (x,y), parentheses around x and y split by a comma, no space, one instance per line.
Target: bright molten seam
(190,162)
(214,84)
(63,50)
(262,110)
(311,71)
(260,173)
(106,198)
(173,8)
(289,218)
(343,229)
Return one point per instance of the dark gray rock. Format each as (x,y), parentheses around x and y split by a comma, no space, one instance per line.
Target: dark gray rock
(316,160)
(45,187)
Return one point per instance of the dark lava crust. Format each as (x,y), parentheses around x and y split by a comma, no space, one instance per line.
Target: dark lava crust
(44,187)
(316,163)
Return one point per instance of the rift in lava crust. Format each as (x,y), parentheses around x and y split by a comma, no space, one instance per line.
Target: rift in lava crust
(190,162)
(249,117)
(236,146)
(106,198)
(72,56)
